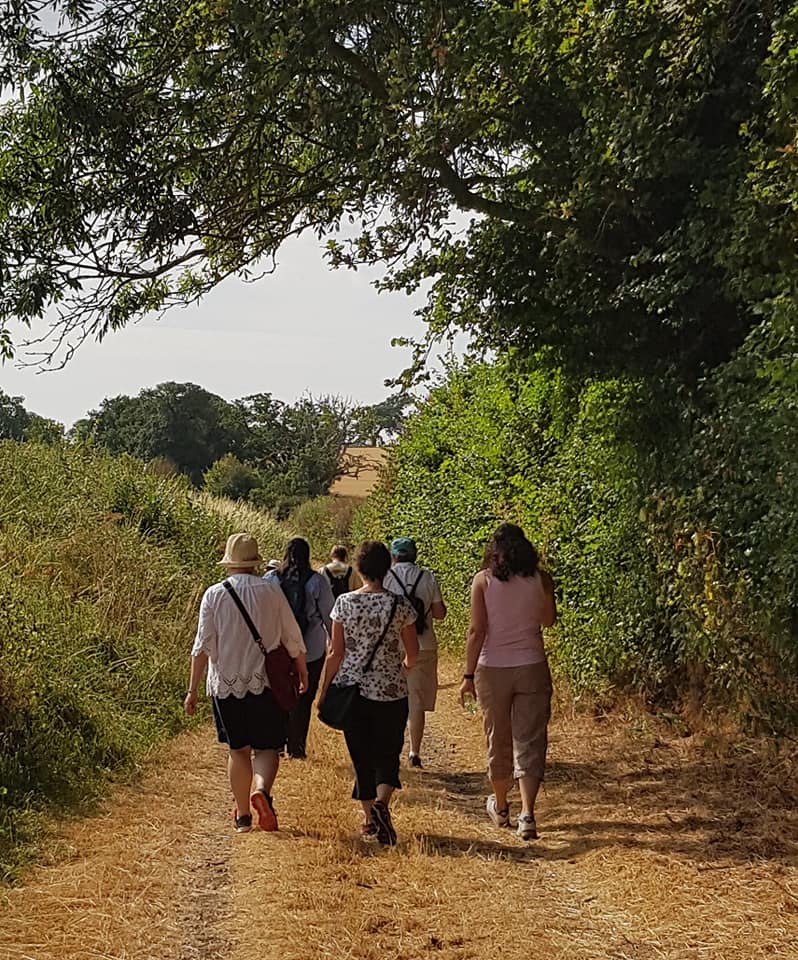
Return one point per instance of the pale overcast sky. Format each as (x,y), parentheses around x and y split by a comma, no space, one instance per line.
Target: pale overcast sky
(303,328)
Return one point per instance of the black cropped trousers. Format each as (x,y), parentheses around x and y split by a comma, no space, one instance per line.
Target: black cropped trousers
(375,738)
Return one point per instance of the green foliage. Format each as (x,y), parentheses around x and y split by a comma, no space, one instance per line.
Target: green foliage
(230,478)
(377,424)
(731,532)
(670,529)
(630,167)
(296,448)
(275,454)
(102,569)
(489,447)
(17,423)
(178,422)
(43,430)
(324,523)
(13,417)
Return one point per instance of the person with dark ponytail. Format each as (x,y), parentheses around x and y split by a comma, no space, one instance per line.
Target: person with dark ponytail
(507,671)
(311,600)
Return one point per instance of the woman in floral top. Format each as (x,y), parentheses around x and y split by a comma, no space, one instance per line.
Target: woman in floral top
(376,735)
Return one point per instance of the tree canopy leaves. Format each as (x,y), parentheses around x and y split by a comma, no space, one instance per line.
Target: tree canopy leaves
(177,422)
(18,423)
(628,168)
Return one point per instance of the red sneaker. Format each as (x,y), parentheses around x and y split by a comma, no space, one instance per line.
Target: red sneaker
(261,803)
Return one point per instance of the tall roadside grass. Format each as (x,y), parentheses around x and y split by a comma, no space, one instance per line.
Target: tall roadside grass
(324,522)
(101,570)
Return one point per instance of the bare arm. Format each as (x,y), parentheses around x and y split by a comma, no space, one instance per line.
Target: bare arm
(410,643)
(301,665)
(198,664)
(477,628)
(550,611)
(437,607)
(335,657)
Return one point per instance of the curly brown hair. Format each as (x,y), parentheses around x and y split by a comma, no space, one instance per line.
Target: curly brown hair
(510,554)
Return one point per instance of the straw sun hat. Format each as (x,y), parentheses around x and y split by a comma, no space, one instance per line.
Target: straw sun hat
(241,551)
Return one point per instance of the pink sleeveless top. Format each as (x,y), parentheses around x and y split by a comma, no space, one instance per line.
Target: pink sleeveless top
(514,637)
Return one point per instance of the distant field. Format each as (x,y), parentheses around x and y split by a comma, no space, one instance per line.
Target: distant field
(368,461)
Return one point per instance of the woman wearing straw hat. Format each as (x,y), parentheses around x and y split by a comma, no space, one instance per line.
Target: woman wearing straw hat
(248,718)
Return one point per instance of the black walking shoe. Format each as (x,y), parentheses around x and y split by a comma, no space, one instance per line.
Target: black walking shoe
(368,831)
(243,823)
(381,818)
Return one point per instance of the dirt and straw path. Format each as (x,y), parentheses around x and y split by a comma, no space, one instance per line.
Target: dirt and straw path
(651,846)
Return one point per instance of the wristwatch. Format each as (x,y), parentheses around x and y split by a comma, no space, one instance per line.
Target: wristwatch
(468,676)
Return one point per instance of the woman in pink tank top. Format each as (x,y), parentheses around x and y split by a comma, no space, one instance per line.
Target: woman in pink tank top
(512,599)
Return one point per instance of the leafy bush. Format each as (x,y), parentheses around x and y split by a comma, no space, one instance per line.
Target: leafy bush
(102,566)
(726,531)
(670,527)
(230,478)
(324,522)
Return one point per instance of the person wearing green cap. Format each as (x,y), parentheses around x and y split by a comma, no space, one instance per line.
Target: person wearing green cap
(421,588)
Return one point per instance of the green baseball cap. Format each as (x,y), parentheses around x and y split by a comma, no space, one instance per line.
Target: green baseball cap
(403,548)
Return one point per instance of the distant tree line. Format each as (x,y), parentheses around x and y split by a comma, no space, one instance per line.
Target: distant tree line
(258,448)
(17,423)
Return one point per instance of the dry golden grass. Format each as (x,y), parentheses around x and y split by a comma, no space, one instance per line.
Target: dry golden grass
(270,533)
(367,462)
(129,884)
(651,846)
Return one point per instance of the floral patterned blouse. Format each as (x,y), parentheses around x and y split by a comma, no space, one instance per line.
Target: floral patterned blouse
(363,616)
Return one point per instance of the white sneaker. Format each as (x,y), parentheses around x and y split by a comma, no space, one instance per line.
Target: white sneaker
(527,828)
(500,817)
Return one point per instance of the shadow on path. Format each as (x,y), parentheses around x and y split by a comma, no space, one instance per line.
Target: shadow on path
(651,796)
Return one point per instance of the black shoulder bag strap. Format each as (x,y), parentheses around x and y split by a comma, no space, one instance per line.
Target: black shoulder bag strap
(247,619)
(394,605)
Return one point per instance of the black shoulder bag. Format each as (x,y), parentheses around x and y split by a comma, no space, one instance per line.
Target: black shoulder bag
(339,701)
(280,666)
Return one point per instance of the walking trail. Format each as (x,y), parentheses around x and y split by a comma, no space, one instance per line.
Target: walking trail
(651,846)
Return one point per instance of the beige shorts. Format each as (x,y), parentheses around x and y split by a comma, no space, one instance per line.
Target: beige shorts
(516,707)
(422,682)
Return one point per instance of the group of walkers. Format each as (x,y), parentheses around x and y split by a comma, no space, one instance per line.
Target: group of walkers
(365,632)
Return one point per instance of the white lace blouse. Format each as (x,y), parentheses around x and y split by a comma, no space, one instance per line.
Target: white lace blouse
(235,662)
